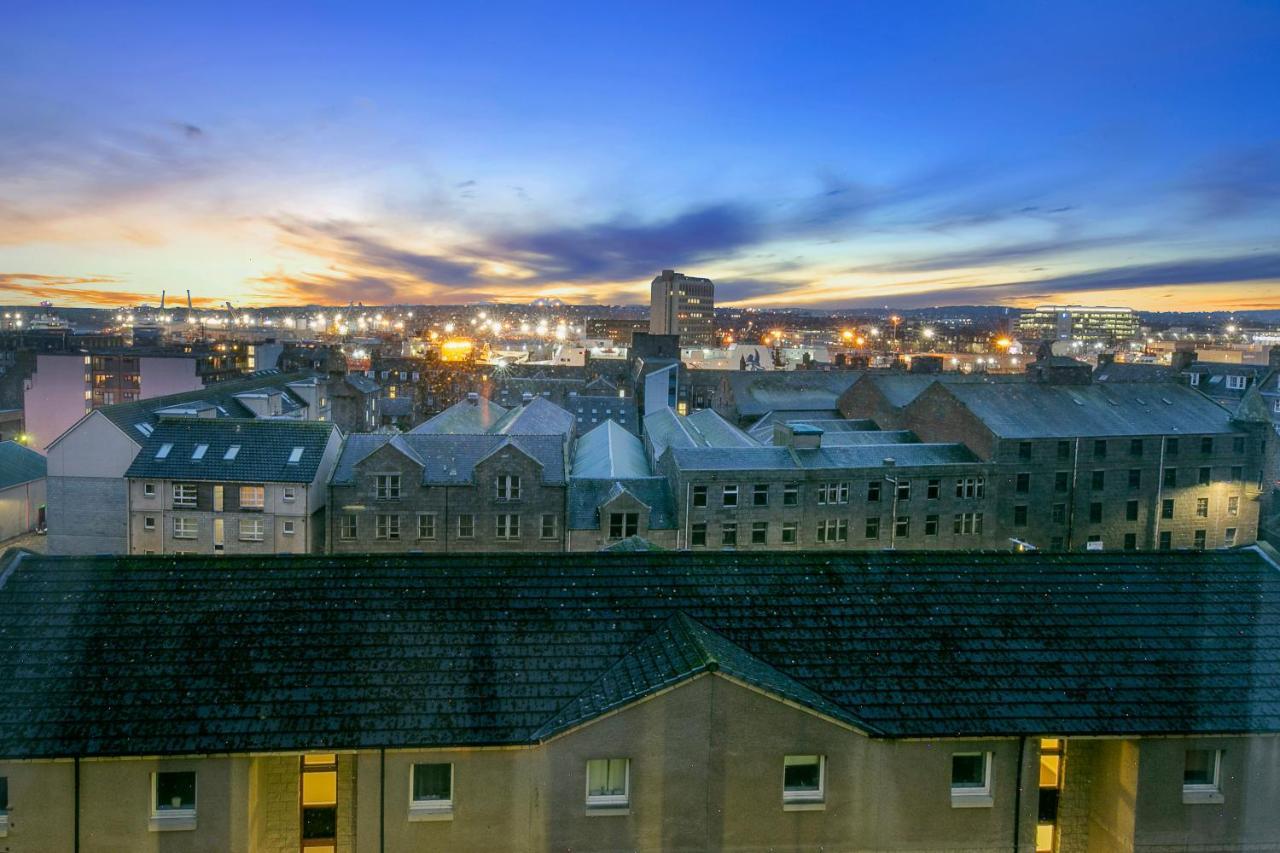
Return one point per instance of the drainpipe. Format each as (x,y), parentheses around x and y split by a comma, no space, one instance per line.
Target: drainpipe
(1071,498)
(1155,535)
(382,800)
(1017,798)
(75,844)
(688,491)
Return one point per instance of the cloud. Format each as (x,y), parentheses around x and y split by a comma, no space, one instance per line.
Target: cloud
(984,256)
(92,291)
(1237,183)
(190,131)
(352,246)
(740,289)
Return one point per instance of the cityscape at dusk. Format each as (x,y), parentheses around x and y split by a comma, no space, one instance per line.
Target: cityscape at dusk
(853,155)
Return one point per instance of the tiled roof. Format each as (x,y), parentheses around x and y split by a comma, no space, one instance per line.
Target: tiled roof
(822,458)
(362,383)
(183,655)
(264,448)
(762,430)
(1036,410)
(1130,371)
(539,416)
(587,495)
(451,459)
(19,464)
(466,417)
(664,428)
(755,393)
(610,451)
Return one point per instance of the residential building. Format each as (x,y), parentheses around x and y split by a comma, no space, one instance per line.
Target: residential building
(614,493)
(231,486)
(354,402)
(640,701)
(745,397)
(22,490)
(1084,323)
(683,305)
(87,494)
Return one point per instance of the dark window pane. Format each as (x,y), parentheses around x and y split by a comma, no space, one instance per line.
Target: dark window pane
(432,782)
(319,822)
(968,771)
(801,777)
(175,791)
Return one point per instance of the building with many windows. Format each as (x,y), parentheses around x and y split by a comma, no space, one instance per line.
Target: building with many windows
(646,702)
(1084,323)
(683,305)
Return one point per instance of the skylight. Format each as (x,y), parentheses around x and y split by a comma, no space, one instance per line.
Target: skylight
(231,453)
(200,451)
(295,456)
(144,428)
(163,452)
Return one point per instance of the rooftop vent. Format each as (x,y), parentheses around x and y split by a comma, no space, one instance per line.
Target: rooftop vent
(232,452)
(200,451)
(163,452)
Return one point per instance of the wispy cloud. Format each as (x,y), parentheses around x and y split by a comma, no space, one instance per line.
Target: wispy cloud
(95,291)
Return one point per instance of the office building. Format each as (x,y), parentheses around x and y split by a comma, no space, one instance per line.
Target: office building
(683,305)
(1086,324)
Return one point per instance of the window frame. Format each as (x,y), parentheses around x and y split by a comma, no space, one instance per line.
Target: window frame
(169,819)
(428,526)
(804,797)
(973,796)
(607,801)
(420,810)
(1203,792)
(258,534)
(258,495)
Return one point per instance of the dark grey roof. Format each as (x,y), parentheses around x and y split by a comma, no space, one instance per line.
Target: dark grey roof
(899,389)
(19,464)
(608,451)
(762,430)
(395,407)
(1036,410)
(823,458)
(451,459)
(265,448)
(362,383)
(466,417)
(539,416)
(1131,371)
(757,393)
(704,428)
(194,655)
(587,495)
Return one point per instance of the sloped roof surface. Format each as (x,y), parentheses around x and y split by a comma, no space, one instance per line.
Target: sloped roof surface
(704,428)
(587,495)
(1037,410)
(451,459)
(265,447)
(464,417)
(762,430)
(220,396)
(172,655)
(539,416)
(755,393)
(19,464)
(609,450)
(848,456)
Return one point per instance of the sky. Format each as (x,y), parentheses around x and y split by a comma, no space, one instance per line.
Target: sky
(866,154)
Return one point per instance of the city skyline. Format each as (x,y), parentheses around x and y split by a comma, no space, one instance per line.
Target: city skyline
(840,157)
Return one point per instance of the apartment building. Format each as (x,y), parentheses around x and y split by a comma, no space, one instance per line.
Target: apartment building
(683,305)
(614,494)
(87,488)
(646,702)
(231,486)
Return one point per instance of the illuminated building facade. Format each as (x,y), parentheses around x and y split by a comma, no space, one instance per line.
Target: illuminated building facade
(683,305)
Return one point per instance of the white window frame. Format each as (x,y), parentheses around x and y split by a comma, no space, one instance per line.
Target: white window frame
(184,521)
(432,524)
(796,799)
(148,522)
(383,487)
(255,491)
(342,527)
(506,526)
(554,527)
(506,487)
(384,532)
(470,532)
(1206,793)
(252,530)
(608,802)
(148,490)
(973,797)
(180,494)
(1236,383)
(170,820)
(730,489)
(289,494)
(422,810)
(287,527)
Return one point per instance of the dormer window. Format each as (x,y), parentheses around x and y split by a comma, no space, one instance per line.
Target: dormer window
(506,487)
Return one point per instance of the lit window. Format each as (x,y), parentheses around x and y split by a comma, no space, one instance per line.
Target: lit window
(432,791)
(1202,776)
(608,782)
(802,778)
(319,801)
(971,779)
(173,800)
(253,497)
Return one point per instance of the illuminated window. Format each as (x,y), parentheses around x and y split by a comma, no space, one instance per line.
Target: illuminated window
(608,782)
(319,801)
(803,778)
(253,497)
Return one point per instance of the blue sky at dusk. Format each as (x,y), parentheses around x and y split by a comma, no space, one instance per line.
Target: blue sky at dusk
(850,154)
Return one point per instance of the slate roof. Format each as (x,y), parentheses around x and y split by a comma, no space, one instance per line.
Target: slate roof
(704,428)
(220,396)
(899,388)
(762,430)
(1037,410)
(451,459)
(362,383)
(587,495)
(607,451)
(19,464)
(190,655)
(756,393)
(822,458)
(265,448)
(466,417)
(539,416)
(1132,371)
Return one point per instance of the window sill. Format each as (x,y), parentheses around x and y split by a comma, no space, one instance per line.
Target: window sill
(971,801)
(4,825)
(804,805)
(172,823)
(1205,797)
(608,810)
(428,813)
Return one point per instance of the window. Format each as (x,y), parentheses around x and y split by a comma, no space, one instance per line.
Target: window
(1061,481)
(608,782)
(1206,444)
(1020,515)
(1131,511)
(549,526)
(199,452)
(833,493)
(1024,450)
(1136,447)
(1166,540)
(931,525)
(760,494)
(1059,515)
(1099,481)
(1100,448)
(1202,776)
(729,533)
(1166,508)
(232,452)
(1195,379)
(173,800)
(803,778)
(1170,478)
(1171,447)
(1022,484)
(506,487)
(934,491)
(1237,444)
(1205,475)
(759,533)
(388,487)
(466,526)
(287,527)
(347,527)
(148,490)
(789,531)
(699,495)
(698,534)
(1202,507)
(319,798)
(251,529)
(971,779)
(904,490)
(1131,541)
(426,525)
(902,527)
(729,496)
(431,790)
(163,452)
(873,491)
(1229,538)
(506,526)
(184,494)
(387,527)
(833,530)
(873,528)
(253,497)
(1198,540)
(970,487)
(623,524)
(295,456)
(968,523)
(288,494)
(1233,505)
(1095,512)
(791,494)
(1135,478)
(148,522)
(1237,473)
(1064,450)
(184,528)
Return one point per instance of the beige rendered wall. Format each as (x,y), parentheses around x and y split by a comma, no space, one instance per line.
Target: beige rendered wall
(41,806)
(1112,790)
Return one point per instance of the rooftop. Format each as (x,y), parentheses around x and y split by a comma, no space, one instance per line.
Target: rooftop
(19,464)
(448,459)
(233,450)
(608,451)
